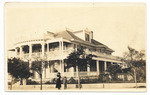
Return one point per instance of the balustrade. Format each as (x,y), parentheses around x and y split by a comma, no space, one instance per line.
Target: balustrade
(103,55)
(56,53)
(86,73)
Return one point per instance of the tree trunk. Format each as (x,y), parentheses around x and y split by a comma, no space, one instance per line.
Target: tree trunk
(135,78)
(11,84)
(21,81)
(103,80)
(45,73)
(78,73)
(41,81)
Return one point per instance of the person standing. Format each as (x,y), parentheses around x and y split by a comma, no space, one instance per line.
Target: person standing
(58,83)
(65,82)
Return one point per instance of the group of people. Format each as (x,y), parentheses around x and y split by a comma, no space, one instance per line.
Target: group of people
(58,82)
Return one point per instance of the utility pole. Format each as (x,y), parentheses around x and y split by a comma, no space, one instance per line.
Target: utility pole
(135,77)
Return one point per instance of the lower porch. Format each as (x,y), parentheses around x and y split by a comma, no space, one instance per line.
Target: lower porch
(55,66)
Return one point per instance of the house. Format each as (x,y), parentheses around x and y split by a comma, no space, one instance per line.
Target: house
(55,47)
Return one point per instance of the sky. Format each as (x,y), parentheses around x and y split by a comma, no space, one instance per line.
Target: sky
(117,25)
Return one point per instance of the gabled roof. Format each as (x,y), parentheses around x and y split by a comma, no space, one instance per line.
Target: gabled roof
(64,34)
(100,45)
(70,36)
(96,42)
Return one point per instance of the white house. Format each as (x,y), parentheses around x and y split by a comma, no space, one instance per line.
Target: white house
(55,47)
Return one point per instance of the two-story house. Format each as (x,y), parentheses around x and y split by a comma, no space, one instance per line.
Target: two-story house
(55,47)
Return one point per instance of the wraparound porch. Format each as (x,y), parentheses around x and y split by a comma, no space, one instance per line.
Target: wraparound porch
(92,69)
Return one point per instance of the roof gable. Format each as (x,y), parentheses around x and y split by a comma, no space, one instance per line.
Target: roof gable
(70,36)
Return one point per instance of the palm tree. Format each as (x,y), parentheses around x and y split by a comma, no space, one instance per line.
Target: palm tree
(38,66)
(18,69)
(78,59)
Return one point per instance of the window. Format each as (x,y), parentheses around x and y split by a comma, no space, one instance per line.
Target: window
(101,66)
(87,37)
(93,66)
(83,68)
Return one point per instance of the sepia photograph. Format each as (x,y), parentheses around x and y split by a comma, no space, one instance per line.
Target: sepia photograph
(66,46)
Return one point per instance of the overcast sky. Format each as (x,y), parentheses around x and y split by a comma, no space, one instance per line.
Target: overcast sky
(115,25)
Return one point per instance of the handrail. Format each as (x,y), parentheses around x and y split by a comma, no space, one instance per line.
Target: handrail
(68,51)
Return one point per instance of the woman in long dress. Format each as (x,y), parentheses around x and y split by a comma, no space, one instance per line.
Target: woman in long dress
(58,83)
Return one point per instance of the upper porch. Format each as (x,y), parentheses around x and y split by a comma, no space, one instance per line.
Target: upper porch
(56,49)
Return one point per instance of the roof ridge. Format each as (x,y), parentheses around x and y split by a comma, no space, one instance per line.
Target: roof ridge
(71,34)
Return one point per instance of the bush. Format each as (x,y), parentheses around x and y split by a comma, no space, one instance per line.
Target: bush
(89,80)
(72,81)
(30,82)
(9,83)
(48,82)
(54,80)
(78,87)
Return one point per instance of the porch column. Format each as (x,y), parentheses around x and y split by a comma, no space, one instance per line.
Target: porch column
(47,51)
(48,68)
(77,71)
(88,69)
(62,64)
(30,50)
(62,47)
(47,71)
(71,71)
(30,55)
(97,65)
(111,63)
(47,47)
(62,67)
(52,68)
(59,47)
(36,76)
(20,52)
(76,47)
(43,48)
(105,66)
(16,52)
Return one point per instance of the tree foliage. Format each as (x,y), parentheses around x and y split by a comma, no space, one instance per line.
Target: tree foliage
(113,70)
(136,60)
(79,58)
(18,69)
(38,65)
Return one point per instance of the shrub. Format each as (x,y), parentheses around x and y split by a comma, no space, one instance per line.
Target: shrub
(48,82)
(9,83)
(30,82)
(72,81)
(54,80)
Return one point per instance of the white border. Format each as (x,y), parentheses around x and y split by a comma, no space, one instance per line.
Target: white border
(2,91)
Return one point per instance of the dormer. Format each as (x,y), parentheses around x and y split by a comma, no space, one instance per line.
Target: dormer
(49,35)
(88,35)
(85,34)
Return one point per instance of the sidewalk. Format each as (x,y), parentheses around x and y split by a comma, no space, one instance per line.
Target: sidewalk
(85,87)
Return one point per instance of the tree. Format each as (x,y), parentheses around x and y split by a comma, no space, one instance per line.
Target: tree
(18,69)
(136,61)
(38,66)
(78,59)
(113,70)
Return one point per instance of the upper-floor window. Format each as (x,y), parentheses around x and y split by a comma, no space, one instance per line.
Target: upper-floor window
(87,37)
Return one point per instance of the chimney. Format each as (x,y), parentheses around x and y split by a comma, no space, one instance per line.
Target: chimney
(91,34)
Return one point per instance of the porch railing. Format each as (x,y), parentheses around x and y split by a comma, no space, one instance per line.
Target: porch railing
(57,53)
(102,55)
(86,74)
